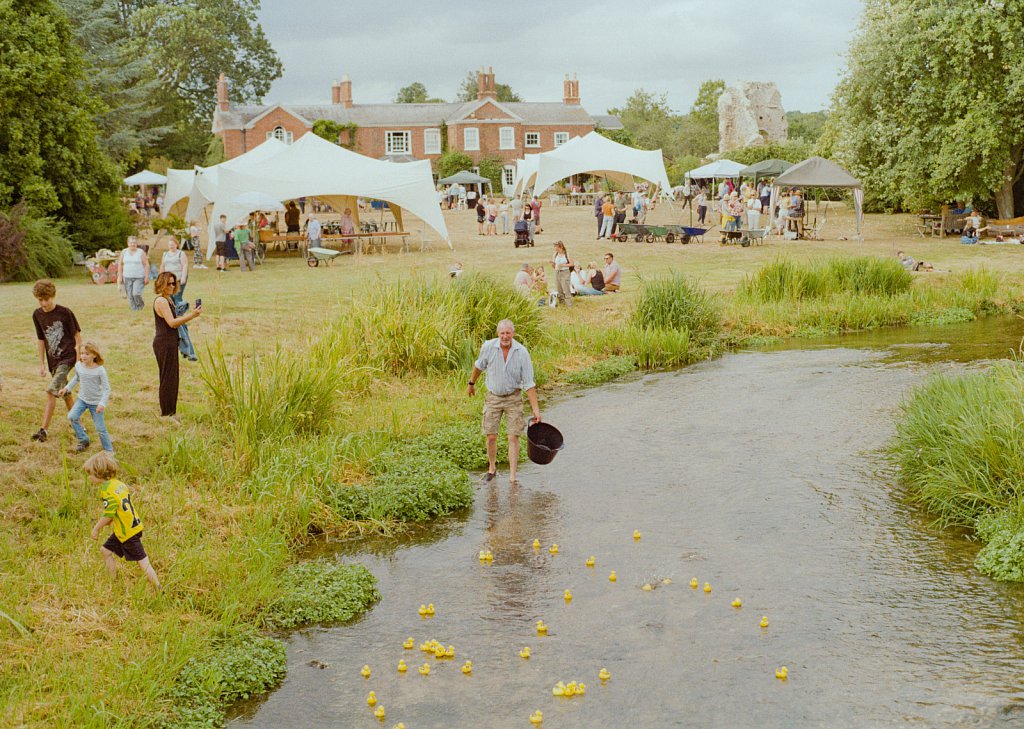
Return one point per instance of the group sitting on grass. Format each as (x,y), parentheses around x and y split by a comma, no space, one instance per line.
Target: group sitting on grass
(570,278)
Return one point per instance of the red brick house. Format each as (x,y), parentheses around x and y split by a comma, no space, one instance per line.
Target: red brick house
(482,128)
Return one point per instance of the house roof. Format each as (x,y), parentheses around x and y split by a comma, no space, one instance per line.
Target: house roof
(370,115)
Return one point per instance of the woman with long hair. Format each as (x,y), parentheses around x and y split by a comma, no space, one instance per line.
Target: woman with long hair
(165,341)
(563,273)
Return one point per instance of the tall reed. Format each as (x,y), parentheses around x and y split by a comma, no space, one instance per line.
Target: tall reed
(675,302)
(785,278)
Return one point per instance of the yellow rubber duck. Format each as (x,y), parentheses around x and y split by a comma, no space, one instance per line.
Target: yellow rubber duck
(424,669)
(613,577)
(379,713)
(581,688)
(365,672)
(449,652)
(553,549)
(482,556)
(536,717)
(525,652)
(372,699)
(782,673)
(764,621)
(570,689)
(737,603)
(426,647)
(439,652)
(636,535)
(647,587)
(399,725)
(541,628)
(568,596)
(591,561)
(467,668)
(422,611)
(409,644)
(558,690)
(430,609)
(667,581)
(536,544)
(694,584)
(490,556)
(603,674)
(402,668)
(707,587)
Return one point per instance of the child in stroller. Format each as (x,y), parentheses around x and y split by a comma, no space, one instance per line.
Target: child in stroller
(522,229)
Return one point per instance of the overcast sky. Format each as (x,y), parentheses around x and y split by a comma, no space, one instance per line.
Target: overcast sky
(614,47)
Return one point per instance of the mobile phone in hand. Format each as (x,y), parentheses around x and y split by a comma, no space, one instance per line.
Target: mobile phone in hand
(199,302)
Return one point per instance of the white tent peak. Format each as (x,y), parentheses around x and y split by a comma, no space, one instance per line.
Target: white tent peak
(596,154)
(720,169)
(146,177)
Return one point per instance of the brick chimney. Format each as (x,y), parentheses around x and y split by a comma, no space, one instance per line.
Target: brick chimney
(345,92)
(336,93)
(222,93)
(485,88)
(571,90)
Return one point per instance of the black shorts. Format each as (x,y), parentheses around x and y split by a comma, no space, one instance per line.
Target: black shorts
(131,549)
(222,248)
(479,218)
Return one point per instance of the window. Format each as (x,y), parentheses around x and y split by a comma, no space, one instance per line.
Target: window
(506,138)
(280,135)
(509,177)
(561,138)
(471,139)
(431,141)
(397,143)
(532,139)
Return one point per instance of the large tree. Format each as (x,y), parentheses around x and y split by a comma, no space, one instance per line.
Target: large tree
(929,110)
(468,90)
(649,121)
(415,93)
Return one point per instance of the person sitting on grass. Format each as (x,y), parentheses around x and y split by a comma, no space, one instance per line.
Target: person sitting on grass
(612,273)
(126,539)
(523,282)
(594,277)
(579,286)
(58,338)
(911,265)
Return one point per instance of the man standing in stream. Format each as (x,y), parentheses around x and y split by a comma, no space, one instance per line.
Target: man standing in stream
(509,372)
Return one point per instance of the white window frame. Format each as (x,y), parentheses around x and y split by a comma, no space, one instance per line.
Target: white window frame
(506,137)
(431,141)
(509,175)
(392,145)
(560,138)
(280,134)
(475,146)
(535,136)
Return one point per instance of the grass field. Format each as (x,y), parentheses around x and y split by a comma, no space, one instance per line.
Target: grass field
(227,503)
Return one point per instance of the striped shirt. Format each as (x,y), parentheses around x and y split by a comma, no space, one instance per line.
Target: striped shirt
(505,376)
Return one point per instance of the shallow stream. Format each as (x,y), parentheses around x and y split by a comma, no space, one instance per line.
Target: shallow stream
(759,473)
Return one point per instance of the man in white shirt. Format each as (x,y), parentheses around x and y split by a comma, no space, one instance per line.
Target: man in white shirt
(313,233)
(509,372)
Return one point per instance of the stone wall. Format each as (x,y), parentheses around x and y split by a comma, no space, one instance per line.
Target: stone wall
(750,113)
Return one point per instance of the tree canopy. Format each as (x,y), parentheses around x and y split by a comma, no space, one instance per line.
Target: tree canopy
(935,117)
(415,93)
(468,89)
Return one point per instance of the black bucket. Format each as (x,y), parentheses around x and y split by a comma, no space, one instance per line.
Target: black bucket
(543,441)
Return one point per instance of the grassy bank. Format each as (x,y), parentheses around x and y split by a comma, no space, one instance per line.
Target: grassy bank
(959,454)
(322,399)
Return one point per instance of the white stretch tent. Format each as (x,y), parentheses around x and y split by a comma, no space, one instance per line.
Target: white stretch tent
(314,167)
(820,172)
(720,169)
(206,179)
(595,154)
(179,185)
(146,177)
(526,173)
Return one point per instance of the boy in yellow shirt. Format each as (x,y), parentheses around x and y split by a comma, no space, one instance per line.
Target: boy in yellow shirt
(126,539)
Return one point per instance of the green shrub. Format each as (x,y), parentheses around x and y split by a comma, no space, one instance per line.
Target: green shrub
(785,279)
(322,591)
(676,303)
(31,247)
(463,445)
(172,224)
(105,223)
(453,161)
(603,370)
(243,666)
(411,484)
(1002,558)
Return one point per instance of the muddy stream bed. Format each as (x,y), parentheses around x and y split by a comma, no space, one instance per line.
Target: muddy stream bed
(759,473)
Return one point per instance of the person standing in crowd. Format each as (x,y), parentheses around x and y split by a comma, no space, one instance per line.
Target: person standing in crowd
(528,217)
(535,204)
(292,217)
(58,337)
(471,198)
(492,217)
(133,273)
(612,273)
(313,232)
(509,372)
(620,212)
(764,194)
(503,216)
(608,216)
(165,342)
(599,212)
(516,206)
(176,262)
(481,215)
(220,236)
(563,273)
(245,248)
(197,255)
(702,205)
(93,393)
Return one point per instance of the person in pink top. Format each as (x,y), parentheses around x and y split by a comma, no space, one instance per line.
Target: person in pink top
(535,204)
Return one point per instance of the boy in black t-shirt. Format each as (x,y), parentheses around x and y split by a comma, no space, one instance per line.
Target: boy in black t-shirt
(58,336)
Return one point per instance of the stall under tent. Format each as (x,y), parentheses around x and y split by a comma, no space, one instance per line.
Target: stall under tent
(595,154)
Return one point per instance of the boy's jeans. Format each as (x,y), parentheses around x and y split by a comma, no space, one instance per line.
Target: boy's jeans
(75,416)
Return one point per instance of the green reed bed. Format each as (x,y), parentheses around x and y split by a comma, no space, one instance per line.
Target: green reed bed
(959,454)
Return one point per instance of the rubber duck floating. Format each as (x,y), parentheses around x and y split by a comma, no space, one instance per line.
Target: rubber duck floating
(379,713)
(694,584)
(782,673)
(525,652)
(536,717)
(372,699)
(647,587)
(568,596)
(737,603)
(365,672)
(409,644)
(424,669)
(591,561)
(402,668)
(707,587)
(430,609)
(568,690)
(486,557)
(636,535)
(422,611)
(536,544)
(603,674)
(542,629)
(613,577)
(553,549)
(667,581)
(764,621)
(467,668)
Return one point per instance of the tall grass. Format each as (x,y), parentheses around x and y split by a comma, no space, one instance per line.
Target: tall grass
(675,302)
(785,279)
(423,326)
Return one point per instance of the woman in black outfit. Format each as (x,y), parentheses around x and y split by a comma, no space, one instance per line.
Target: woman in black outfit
(165,341)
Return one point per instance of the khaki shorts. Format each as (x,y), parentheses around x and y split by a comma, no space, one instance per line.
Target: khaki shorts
(511,405)
(59,379)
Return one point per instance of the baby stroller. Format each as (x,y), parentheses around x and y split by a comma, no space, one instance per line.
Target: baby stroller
(522,229)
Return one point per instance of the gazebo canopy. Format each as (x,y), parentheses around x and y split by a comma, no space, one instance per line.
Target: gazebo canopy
(205,180)
(820,172)
(146,177)
(720,169)
(766,168)
(595,154)
(465,178)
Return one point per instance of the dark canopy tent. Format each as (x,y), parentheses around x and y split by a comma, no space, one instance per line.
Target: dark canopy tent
(468,178)
(766,168)
(821,173)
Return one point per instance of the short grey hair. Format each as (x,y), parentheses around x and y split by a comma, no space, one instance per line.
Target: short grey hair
(504,322)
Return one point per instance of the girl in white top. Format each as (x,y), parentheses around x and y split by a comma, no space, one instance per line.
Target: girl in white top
(563,266)
(176,261)
(753,212)
(133,273)
(783,211)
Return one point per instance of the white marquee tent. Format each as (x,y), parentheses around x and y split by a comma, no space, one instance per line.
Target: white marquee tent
(179,185)
(595,154)
(720,169)
(205,180)
(146,177)
(313,167)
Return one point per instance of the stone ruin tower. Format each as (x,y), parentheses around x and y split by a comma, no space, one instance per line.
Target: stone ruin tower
(750,113)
